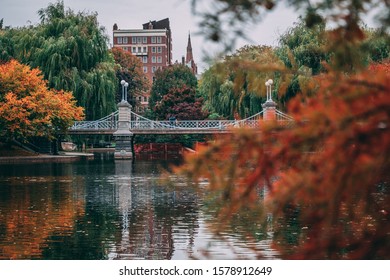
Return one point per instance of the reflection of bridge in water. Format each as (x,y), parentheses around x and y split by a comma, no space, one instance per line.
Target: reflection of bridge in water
(140,125)
(156,220)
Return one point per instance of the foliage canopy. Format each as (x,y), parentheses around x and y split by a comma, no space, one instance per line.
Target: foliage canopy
(180,103)
(28,108)
(71,51)
(234,86)
(173,77)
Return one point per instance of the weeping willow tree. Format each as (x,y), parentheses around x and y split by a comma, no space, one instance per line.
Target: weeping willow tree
(71,51)
(236,85)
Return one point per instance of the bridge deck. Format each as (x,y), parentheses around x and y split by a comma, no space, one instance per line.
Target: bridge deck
(141,125)
(149,131)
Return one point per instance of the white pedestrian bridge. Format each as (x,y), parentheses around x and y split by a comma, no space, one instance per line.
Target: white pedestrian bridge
(140,125)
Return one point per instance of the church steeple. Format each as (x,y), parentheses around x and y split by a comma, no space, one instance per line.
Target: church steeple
(189,56)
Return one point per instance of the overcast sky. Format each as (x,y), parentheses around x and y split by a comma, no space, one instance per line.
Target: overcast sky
(131,14)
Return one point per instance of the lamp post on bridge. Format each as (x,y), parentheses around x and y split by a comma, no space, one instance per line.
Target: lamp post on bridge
(268,84)
(123,135)
(269,106)
(124,90)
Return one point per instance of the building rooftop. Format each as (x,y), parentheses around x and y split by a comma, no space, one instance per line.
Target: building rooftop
(161,24)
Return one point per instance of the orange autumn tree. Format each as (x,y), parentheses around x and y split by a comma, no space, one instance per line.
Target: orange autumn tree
(28,108)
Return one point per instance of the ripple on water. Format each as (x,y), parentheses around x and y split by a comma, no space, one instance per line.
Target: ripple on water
(108,211)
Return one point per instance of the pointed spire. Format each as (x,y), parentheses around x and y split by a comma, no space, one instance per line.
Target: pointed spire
(189,41)
(189,56)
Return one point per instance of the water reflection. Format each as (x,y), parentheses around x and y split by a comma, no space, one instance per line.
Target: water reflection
(106,209)
(34,207)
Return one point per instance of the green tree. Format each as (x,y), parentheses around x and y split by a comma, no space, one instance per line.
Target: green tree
(303,51)
(302,46)
(71,51)
(6,44)
(376,45)
(236,84)
(310,51)
(218,96)
(174,76)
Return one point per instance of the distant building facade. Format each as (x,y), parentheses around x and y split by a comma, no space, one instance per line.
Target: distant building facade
(152,44)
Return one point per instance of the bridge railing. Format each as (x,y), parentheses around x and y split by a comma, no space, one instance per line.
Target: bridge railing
(109,122)
(138,122)
(280,116)
(141,123)
(191,125)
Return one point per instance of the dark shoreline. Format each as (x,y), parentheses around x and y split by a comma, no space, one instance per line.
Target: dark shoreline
(63,157)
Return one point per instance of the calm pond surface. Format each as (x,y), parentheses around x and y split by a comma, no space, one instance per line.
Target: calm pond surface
(107,209)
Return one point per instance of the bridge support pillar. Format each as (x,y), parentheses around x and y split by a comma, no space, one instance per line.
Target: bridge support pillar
(123,136)
(269,110)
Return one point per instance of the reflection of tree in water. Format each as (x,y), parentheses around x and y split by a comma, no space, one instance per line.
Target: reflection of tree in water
(249,227)
(93,210)
(36,207)
(255,227)
(98,227)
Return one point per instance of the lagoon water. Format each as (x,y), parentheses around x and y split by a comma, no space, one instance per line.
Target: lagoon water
(107,209)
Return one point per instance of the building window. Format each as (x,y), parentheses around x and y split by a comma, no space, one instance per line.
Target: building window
(145,40)
(159,59)
(139,40)
(125,40)
(134,49)
(144,59)
(145,99)
(153,49)
(153,59)
(139,49)
(159,49)
(158,40)
(140,98)
(119,40)
(125,49)
(145,68)
(134,40)
(153,40)
(145,49)
(154,69)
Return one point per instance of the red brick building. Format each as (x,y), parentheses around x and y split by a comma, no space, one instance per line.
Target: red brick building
(152,44)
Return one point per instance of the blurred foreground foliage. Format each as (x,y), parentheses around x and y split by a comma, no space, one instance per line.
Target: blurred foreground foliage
(327,173)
